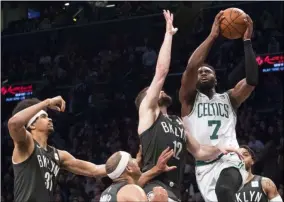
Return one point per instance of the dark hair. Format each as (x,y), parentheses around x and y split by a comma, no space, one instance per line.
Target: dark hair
(140,97)
(251,152)
(25,104)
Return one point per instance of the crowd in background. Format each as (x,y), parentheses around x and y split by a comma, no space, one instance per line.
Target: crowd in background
(100,73)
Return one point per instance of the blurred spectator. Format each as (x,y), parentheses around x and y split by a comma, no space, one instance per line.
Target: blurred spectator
(255,144)
(149,58)
(273,46)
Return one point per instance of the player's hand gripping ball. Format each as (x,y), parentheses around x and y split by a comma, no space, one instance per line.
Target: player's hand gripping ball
(233,25)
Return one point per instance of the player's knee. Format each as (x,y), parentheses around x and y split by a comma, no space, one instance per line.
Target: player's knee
(230,178)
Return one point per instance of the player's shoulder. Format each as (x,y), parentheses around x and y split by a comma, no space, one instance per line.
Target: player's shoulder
(223,94)
(131,192)
(133,187)
(266,181)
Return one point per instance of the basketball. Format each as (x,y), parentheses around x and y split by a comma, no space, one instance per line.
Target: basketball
(233,25)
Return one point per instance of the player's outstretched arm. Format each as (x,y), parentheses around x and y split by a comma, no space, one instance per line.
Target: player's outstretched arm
(206,152)
(149,104)
(201,152)
(163,63)
(270,190)
(245,87)
(80,167)
(189,78)
(159,168)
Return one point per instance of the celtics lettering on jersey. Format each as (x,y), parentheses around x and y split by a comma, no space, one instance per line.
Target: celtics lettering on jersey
(213,109)
(212,121)
(51,169)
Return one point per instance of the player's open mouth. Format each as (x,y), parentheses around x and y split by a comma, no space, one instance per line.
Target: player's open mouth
(204,79)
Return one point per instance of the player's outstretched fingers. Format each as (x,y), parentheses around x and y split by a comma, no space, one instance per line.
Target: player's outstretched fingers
(171,168)
(219,15)
(168,155)
(165,151)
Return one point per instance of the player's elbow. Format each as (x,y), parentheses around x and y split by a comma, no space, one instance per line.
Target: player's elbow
(252,82)
(14,123)
(195,151)
(198,154)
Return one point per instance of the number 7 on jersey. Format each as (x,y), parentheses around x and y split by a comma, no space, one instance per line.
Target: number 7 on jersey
(217,124)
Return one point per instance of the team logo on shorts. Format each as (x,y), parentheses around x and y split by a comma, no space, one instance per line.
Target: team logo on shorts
(150,196)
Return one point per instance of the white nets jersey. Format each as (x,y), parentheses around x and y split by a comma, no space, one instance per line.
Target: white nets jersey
(212,121)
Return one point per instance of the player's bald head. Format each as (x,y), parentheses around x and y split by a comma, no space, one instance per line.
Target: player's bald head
(113,162)
(122,163)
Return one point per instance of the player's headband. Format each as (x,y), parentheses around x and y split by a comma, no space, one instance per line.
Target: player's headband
(41,112)
(125,157)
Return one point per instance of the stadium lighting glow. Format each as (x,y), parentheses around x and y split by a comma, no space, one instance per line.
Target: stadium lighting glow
(66,4)
(110,6)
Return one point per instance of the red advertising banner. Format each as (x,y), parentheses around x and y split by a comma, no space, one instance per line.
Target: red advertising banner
(271,62)
(16,92)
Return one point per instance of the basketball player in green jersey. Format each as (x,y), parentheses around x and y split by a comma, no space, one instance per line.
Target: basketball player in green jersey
(256,188)
(210,117)
(158,130)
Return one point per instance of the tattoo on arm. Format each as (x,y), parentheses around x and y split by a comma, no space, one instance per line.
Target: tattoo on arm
(270,188)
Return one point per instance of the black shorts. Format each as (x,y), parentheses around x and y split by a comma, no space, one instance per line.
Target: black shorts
(148,188)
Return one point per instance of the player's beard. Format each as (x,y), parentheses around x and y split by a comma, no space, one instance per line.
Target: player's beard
(204,87)
(165,101)
(248,167)
(50,130)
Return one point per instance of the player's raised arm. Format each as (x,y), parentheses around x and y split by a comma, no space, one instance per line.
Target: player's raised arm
(147,103)
(244,88)
(163,64)
(24,118)
(189,78)
(80,167)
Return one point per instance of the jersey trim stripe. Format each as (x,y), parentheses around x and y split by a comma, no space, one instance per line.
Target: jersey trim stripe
(203,163)
(233,109)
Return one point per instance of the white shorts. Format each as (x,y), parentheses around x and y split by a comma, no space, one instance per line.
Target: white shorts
(207,174)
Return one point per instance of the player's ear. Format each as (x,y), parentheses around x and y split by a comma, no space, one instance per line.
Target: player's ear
(128,169)
(32,127)
(216,82)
